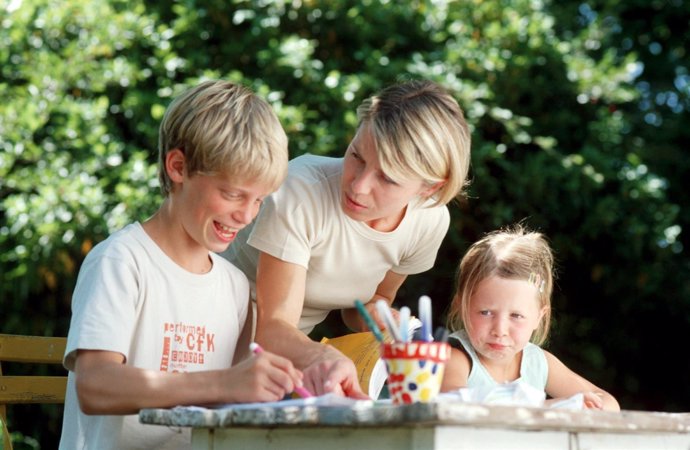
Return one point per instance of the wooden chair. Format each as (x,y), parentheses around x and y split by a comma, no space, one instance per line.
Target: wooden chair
(29,388)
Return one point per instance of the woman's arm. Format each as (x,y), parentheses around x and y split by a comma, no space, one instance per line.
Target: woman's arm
(386,290)
(280,289)
(563,383)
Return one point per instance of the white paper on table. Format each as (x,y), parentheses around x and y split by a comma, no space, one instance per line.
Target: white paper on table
(516,393)
(321,400)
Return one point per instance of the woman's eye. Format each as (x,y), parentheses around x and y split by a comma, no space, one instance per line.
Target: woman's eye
(388,180)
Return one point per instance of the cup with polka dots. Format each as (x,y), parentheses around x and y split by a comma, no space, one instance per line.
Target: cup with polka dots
(415,370)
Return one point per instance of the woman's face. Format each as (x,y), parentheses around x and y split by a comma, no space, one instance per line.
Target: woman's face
(367,194)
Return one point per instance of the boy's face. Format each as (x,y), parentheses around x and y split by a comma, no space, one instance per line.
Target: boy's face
(213,208)
(503,314)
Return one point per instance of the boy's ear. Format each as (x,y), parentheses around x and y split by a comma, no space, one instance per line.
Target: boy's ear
(175,165)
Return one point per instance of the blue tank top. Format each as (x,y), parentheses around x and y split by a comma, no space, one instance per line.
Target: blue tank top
(534,370)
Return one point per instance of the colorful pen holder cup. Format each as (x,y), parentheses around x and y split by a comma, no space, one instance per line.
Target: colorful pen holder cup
(415,370)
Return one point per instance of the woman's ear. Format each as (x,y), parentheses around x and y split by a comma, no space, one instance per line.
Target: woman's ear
(431,190)
(175,165)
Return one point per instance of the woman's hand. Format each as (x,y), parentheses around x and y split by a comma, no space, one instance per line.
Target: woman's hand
(334,373)
(371,309)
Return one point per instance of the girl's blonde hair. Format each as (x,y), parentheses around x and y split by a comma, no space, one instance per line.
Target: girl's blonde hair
(512,253)
(420,132)
(223,127)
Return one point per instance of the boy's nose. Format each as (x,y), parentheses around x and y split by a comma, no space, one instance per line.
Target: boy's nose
(246,213)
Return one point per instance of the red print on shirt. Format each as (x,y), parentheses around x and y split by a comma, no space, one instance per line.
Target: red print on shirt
(185,346)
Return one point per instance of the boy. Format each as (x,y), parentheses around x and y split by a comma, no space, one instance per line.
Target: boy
(158,318)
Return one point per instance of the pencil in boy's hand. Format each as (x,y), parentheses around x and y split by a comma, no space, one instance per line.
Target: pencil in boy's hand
(369,321)
(301,391)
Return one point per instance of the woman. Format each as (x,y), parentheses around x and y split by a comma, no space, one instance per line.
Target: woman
(341,229)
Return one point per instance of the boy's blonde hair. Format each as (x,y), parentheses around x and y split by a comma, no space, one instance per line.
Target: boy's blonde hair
(223,127)
(513,253)
(420,132)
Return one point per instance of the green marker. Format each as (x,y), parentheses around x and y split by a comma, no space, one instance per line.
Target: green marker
(368,320)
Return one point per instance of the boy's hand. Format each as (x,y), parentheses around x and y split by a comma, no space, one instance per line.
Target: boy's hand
(264,377)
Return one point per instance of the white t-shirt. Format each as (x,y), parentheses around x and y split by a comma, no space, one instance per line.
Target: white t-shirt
(131,298)
(303,223)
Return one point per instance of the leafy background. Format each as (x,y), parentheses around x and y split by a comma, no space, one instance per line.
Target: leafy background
(578,109)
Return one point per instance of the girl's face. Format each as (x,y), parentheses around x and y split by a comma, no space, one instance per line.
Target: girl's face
(367,194)
(502,315)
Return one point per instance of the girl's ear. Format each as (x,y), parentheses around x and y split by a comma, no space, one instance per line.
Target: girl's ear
(542,312)
(175,165)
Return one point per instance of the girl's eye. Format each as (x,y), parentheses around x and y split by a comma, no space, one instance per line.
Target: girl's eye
(484,313)
(517,316)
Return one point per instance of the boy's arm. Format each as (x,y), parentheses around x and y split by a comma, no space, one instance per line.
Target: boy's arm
(105,385)
(242,349)
(280,289)
(563,383)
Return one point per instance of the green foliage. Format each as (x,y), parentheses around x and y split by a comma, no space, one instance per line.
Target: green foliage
(565,124)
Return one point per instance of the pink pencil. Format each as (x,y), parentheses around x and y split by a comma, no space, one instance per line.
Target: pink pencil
(301,391)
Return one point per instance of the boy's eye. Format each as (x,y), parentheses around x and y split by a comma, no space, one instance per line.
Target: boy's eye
(232,195)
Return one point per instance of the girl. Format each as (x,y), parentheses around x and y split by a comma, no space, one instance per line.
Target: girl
(502,311)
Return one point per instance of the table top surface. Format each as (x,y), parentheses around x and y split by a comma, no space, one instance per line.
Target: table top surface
(351,413)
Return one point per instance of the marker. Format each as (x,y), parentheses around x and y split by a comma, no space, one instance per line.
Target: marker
(425,317)
(404,324)
(301,391)
(368,320)
(385,312)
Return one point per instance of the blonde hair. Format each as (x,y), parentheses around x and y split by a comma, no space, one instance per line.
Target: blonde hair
(512,253)
(420,132)
(223,127)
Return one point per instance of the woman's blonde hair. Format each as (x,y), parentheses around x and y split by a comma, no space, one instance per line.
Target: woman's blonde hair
(512,253)
(223,127)
(420,132)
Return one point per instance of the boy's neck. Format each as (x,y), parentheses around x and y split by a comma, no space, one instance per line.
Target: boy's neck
(177,245)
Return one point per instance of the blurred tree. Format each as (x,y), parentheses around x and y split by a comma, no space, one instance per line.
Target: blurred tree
(576,132)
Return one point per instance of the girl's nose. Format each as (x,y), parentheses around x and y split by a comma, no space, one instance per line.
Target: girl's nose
(500,327)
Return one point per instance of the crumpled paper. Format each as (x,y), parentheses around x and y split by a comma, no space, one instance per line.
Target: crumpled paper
(515,393)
